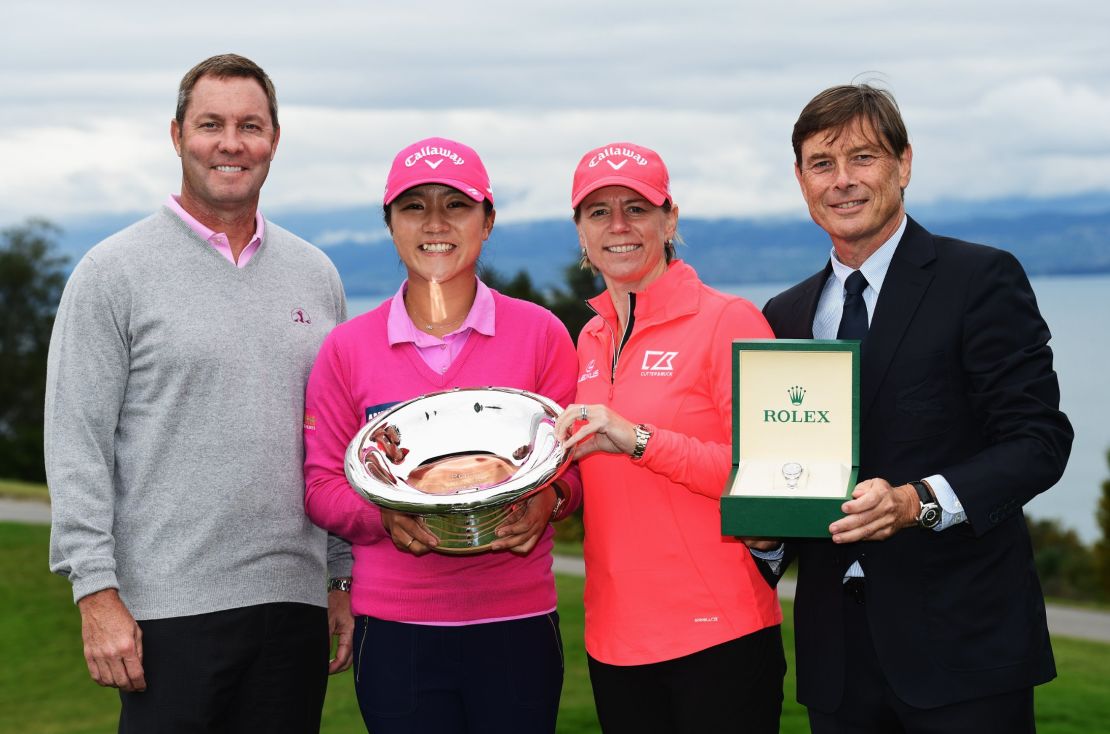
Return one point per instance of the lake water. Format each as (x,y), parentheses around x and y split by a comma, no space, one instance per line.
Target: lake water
(1077,310)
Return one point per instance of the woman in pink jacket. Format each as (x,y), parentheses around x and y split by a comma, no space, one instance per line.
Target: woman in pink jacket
(443,643)
(683,633)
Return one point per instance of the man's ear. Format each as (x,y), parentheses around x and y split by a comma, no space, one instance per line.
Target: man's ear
(175,136)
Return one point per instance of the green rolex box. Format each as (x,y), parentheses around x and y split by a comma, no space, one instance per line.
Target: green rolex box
(795,437)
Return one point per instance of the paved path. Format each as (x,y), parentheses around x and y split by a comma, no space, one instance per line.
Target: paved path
(25,511)
(1081,624)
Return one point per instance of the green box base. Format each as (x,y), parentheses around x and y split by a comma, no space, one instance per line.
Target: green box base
(781,517)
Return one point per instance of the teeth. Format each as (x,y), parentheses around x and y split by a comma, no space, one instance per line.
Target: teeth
(229,169)
(849,204)
(437,247)
(622,248)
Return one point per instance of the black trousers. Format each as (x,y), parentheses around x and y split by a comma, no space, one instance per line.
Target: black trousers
(256,669)
(869,705)
(732,687)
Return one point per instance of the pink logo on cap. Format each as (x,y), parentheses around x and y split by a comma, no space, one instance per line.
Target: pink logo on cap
(423,163)
(622,164)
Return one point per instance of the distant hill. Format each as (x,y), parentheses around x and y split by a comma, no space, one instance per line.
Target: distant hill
(1064,236)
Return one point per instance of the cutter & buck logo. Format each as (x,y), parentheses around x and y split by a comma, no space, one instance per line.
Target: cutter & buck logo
(657,363)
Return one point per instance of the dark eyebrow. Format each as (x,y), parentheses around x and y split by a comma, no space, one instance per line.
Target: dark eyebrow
(252,117)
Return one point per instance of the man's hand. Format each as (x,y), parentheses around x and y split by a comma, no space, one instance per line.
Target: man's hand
(341,626)
(113,641)
(522,530)
(875,512)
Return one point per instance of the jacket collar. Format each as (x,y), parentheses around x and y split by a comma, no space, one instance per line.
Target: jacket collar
(675,293)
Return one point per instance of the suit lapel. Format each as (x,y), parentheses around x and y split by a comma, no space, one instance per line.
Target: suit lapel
(903,288)
(799,320)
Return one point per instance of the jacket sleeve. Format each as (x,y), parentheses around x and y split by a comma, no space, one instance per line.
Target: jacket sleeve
(86,380)
(331,421)
(1014,391)
(556,380)
(703,466)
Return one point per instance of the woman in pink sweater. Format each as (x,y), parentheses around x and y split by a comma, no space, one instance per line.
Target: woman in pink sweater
(443,643)
(682,630)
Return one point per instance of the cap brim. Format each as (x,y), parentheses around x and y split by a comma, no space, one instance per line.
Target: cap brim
(652,194)
(462,186)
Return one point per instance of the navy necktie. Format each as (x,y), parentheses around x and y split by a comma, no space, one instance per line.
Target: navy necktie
(853,322)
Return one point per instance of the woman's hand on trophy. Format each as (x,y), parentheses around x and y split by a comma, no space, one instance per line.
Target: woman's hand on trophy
(408,532)
(590,428)
(522,530)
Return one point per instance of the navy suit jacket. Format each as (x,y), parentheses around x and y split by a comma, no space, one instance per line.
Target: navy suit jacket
(956,379)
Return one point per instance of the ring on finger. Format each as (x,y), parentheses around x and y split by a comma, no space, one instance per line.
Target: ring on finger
(411,541)
(583,413)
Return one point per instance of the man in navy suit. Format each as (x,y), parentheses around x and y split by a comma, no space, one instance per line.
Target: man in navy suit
(924,612)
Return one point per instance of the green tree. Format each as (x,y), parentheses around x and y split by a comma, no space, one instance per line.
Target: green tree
(32,276)
(567,303)
(570,304)
(1065,565)
(1102,546)
(519,286)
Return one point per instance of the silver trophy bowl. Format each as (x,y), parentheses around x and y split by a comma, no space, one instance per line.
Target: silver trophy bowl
(464,460)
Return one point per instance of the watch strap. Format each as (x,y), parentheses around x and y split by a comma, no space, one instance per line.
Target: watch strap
(643,435)
(928,515)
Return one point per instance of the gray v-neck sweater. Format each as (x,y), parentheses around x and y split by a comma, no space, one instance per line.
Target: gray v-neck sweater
(175,398)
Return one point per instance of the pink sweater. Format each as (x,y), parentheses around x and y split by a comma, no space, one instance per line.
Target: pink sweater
(357,375)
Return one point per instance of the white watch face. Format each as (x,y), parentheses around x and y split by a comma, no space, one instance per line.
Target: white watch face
(792,472)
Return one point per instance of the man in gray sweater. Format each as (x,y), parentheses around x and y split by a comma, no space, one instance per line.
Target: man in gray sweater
(174,410)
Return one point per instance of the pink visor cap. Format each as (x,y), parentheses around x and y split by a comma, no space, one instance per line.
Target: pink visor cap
(440,161)
(622,164)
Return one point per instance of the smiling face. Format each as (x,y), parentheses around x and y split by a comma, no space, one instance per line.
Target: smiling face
(853,187)
(226,143)
(624,236)
(438,232)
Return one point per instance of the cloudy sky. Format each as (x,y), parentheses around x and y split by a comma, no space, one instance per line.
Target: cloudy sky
(1001,98)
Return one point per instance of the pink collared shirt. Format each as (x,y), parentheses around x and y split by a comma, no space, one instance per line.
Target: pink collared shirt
(438,353)
(218,240)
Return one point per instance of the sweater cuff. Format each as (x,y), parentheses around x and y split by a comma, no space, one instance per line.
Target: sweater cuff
(93,583)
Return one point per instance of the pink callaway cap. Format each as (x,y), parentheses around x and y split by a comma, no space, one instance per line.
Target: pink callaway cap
(441,161)
(622,164)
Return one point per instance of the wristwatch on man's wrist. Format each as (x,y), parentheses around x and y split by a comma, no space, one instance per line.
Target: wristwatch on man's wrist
(643,433)
(928,515)
(340,584)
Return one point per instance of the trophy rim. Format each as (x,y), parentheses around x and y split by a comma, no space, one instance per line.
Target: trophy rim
(402,497)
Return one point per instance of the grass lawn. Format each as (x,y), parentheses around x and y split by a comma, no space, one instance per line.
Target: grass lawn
(45,688)
(23,490)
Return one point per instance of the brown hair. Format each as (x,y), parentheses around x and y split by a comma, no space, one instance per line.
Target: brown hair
(837,107)
(225,66)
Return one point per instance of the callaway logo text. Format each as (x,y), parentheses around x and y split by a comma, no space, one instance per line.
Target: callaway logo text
(613,151)
(434,150)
